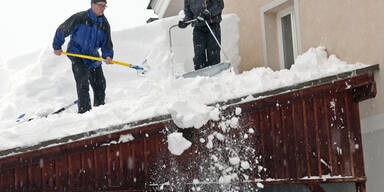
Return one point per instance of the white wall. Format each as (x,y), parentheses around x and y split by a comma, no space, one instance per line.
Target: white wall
(373,147)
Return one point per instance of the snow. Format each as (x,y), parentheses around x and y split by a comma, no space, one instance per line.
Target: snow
(188,114)
(41,84)
(238,111)
(126,138)
(245,165)
(234,160)
(177,144)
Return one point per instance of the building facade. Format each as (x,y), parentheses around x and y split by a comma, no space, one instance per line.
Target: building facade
(274,32)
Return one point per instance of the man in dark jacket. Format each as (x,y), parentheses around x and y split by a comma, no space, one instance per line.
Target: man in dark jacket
(207,52)
(89,31)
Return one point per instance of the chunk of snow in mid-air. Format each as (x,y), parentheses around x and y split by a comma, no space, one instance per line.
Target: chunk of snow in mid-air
(126,138)
(234,160)
(177,144)
(238,111)
(245,165)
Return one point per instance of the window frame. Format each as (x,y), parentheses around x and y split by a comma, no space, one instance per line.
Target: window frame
(272,59)
(287,11)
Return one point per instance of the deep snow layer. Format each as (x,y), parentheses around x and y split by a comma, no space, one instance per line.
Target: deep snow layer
(45,84)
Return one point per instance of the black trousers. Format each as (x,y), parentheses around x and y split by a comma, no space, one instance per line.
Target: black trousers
(83,78)
(207,52)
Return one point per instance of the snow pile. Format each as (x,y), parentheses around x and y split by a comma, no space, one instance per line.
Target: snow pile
(187,114)
(42,83)
(317,61)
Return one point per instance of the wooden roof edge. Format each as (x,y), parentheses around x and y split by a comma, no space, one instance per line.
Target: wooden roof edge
(164,118)
(84,136)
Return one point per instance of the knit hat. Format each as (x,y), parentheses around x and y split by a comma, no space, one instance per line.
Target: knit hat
(95,1)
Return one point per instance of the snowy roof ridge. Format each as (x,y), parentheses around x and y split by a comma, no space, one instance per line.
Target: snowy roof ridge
(164,118)
(311,83)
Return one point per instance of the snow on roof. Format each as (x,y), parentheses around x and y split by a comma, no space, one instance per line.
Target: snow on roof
(46,85)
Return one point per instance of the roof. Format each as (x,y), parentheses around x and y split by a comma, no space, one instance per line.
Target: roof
(163,118)
(314,128)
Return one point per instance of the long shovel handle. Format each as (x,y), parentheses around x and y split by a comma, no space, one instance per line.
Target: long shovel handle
(173,26)
(217,41)
(100,59)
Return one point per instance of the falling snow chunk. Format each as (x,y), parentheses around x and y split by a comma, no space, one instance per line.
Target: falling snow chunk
(347,86)
(126,138)
(251,131)
(332,104)
(225,179)
(238,111)
(214,158)
(245,165)
(260,168)
(339,150)
(233,123)
(177,144)
(223,127)
(260,186)
(210,141)
(220,136)
(234,160)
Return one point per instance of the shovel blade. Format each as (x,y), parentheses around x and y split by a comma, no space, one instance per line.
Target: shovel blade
(208,71)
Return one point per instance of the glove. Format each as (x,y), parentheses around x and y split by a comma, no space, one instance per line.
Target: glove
(204,15)
(182,24)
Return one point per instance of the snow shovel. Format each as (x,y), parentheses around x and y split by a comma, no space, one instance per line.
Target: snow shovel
(21,118)
(210,70)
(139,69)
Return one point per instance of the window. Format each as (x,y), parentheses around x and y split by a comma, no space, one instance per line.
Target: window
(287,38)
(281,39)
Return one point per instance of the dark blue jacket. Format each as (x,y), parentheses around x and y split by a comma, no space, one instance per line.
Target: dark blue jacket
(88,34)
(193,8)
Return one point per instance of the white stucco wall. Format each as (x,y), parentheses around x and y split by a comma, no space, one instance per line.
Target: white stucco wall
(373,147)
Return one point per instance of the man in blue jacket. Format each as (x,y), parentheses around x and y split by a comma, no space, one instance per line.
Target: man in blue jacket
(207,52)
(89,31)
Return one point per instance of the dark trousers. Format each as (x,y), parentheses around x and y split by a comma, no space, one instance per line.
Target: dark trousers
(84,77)
(207,52)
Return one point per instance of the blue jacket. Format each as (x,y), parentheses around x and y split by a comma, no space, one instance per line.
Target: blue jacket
(88,34)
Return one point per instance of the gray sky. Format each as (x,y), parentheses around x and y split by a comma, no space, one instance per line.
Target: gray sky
(30,25)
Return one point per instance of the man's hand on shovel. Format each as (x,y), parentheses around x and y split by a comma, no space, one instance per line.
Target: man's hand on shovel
(57,52)
(108,60)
